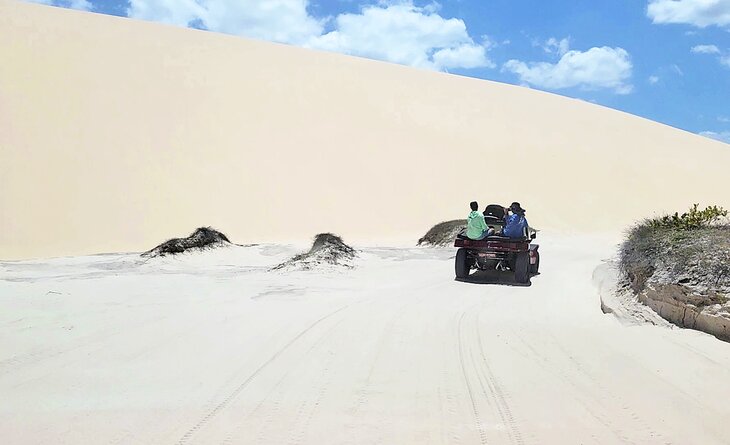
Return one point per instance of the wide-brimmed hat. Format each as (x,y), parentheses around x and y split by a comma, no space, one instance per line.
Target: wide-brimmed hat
(516,207)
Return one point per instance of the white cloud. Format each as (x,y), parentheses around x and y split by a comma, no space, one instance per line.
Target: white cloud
(653,80)
(80,4)
(677,69)
(723,119)
(285,21)
(406,34)
(700,13)
(705,49)
(462,56)
(555,46)
(723,136)
(174,12)
(83,5)
(722,56)
(597,68)
(395,32)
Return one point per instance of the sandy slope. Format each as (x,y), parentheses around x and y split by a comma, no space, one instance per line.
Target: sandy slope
(214,349)
(116,134)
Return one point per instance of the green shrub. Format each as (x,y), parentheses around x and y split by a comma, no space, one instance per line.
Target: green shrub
(693,247)
(691,220)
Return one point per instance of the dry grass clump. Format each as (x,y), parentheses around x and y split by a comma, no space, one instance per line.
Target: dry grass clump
(201,239)
(327,250)
(691,250)
(443,234)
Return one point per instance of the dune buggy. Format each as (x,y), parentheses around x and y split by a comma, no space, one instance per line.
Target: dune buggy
(497,252)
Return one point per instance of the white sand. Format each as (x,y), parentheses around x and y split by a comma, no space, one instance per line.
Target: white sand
(212,348)
(117,134)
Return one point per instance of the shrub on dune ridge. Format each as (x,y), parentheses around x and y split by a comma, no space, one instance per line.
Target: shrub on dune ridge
(690,249)
(201,239)
(327,250)
(692,219)
(679,266)
(443,234)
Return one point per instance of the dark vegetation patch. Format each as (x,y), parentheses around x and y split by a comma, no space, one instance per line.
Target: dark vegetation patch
(443,234)
(690,250)
(203,238)
(327,250)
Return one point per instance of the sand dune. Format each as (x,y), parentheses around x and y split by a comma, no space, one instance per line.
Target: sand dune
(115,134)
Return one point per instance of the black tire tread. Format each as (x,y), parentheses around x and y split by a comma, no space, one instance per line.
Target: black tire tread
(461,264)
(535,268)
(522,267)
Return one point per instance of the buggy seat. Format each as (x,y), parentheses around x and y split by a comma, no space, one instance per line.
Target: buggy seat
(462,235)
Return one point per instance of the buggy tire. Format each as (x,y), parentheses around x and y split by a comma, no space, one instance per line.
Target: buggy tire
(535,268)
(522,267)
(462,264)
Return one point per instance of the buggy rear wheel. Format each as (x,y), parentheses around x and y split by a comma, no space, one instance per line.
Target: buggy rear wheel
(522,267)
(462,264)
(535,268)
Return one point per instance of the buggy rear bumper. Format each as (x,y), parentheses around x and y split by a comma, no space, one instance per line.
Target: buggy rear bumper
(494,244)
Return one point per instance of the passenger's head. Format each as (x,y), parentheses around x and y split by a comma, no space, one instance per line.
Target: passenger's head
(516,208)
(474,205)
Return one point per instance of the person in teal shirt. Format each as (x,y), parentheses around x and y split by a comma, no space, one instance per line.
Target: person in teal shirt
(476,227)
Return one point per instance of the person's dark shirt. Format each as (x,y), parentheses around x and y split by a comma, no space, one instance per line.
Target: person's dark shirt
(514,226)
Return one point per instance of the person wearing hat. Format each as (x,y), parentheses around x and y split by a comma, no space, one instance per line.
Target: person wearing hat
(515,222)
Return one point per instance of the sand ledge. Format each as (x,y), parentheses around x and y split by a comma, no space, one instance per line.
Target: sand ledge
(662,305)
(670,302)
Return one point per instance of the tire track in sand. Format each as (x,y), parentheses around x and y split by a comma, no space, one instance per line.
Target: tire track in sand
(595,406)
(498,394)
(483,386)
(469,388)
(212,413)
(306,410)
(277,401)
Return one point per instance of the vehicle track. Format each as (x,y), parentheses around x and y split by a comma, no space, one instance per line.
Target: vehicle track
(12,364)
(594,407)
(385,335)
(276,404)
(472,397)
(607,394)
(210,415)
(503,407)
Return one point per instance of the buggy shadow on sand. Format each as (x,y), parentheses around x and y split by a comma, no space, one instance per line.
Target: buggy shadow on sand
(494,276)
(497,254)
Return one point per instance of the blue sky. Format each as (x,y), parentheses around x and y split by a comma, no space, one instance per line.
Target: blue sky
(666,60)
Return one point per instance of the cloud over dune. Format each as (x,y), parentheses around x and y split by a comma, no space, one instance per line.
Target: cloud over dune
(722,136)
(284,21)
(397,32)
(83,5)
(400,32)
(405,34)
(596,68)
